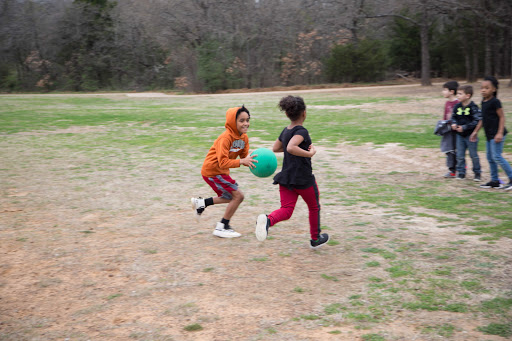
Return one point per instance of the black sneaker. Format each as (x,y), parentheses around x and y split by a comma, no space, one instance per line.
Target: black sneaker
(322,239)
(262,225)
(477,178)
(461,177)
(491,184)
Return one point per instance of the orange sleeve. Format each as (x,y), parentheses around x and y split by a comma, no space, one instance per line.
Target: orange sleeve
(222,150)
(245,152)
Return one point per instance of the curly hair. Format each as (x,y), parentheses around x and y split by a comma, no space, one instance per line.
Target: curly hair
(292,106)
(494,83)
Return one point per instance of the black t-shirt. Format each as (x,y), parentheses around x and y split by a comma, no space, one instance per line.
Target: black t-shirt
(490,118)
(297,171)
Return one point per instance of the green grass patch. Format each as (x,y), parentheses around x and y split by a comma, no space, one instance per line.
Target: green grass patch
(445,330)
(193,327)
(329,278)
(500,329)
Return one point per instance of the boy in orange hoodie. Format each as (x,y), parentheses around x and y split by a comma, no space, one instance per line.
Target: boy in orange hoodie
(222,156)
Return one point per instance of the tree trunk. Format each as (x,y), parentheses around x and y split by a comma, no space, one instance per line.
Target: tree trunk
(469,69)
(475,47)
(425,55)
(510,37)
(496,54)
(488,54)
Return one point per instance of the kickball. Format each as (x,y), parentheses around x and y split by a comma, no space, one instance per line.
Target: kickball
(267,162)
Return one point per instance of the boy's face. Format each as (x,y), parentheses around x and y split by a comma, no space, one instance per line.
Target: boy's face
(462,96)
(242,123)
(447,93)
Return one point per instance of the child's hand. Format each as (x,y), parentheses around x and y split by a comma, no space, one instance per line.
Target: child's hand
(249,161)
(454,127)
(312,150)
(498,138)
(459,129)
(473,137)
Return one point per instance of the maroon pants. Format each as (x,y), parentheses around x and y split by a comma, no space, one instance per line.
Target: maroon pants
(289,198)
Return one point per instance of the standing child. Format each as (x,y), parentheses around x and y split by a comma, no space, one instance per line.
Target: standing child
(296,177)
(222,156)
(448,142)
(493,121)
(465,118)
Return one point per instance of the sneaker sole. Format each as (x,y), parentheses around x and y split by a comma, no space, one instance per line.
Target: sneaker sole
(261,227)
(222,234)
(196,215)
(319,246)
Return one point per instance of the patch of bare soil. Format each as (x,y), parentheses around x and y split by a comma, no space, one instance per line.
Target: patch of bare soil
(107,249)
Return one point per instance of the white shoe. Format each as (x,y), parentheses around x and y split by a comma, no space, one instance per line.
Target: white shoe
(198,206)
(261,227)
(222,232)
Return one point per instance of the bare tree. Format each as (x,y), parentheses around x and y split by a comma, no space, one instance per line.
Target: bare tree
(424,16)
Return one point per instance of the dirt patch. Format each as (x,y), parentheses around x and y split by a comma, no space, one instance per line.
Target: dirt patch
(114,254)
(70,130)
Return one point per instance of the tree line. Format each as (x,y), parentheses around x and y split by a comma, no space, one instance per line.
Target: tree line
(212,45)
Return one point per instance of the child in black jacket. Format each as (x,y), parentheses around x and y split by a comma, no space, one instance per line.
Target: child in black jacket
(465,118)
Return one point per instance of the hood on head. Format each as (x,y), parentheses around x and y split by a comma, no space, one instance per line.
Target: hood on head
(231,120)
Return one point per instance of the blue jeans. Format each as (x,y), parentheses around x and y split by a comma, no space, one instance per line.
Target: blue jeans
(494,150)
(463,143)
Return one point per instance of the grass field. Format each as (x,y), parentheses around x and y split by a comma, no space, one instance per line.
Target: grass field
(98,241)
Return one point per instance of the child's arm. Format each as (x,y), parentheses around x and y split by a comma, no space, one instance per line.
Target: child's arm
(474,134)
(294,149)
(477,118)
(247,160)
(222,149)
(277,147)
(453,120)
(501,125)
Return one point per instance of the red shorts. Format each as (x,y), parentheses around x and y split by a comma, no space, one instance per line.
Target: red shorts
(223,185)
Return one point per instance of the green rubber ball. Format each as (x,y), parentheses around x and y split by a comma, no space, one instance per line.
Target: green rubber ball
(267,162)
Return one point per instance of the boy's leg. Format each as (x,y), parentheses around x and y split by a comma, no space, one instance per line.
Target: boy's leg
(311,196)
(288,201)
(473,153)
(199,204)
(227,192)
(451,162)
(237,198)
(451,157)
(223,229)
(461,153)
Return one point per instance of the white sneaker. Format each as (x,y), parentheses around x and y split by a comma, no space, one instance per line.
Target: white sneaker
(198,206)
(261,227)
(222,232)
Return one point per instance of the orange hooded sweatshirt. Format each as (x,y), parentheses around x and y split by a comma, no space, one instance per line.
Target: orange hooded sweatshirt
(226,148)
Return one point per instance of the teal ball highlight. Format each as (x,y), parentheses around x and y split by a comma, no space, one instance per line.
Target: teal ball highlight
(267,162)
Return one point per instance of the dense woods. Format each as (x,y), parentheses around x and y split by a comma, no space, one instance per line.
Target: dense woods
(212,45)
